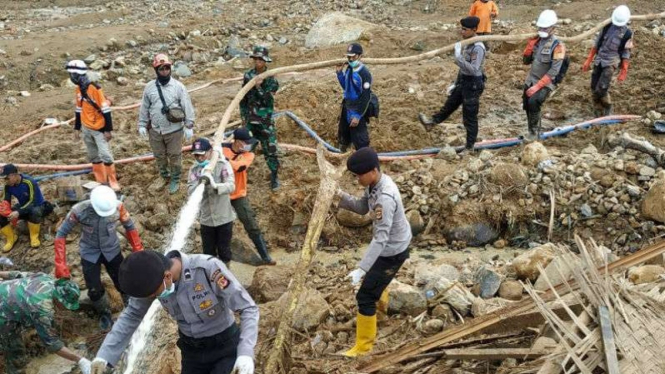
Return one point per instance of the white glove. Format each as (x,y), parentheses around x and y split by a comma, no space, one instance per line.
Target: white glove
(189,134)
(450,89)
(458,49)
(356,276)
(85,365)
(207,174)
(244,365)
(143,132)
(98,366)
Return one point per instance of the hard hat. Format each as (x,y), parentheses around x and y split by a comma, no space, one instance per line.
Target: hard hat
(161,59)
(547,19)
(104,201)
(621,16)
(76,66)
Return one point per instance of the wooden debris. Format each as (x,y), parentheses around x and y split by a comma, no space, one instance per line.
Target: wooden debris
(612,361)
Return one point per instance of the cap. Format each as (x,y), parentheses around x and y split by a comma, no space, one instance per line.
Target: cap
(262,53)
(354,49)
(161,59)
(245,135)
(67,293)
(201,146)
(8,169)
(363,161)
(470,22)
(142,272)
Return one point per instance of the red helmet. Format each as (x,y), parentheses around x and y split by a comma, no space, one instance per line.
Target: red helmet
(161,59)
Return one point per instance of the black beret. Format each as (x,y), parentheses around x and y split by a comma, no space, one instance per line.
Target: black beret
(141,273)
(363,161)
(470,22)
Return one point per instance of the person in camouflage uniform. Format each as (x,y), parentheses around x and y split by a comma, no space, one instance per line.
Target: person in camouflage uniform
(28,300)
(256,110)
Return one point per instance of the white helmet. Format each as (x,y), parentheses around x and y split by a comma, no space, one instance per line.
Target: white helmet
(104,201)
(547,19)
(76,66)
(621,16)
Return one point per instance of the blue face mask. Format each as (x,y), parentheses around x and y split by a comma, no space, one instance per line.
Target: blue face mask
(167,292)
(354,64)
(203,163)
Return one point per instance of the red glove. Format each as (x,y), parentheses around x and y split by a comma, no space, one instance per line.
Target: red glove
(589,59)
(530,45)
(5,209)
(134,240)
(544,81)
(623,73)
(61,269)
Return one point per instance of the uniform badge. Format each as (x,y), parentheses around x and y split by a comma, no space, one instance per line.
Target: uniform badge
(205,304)
(188,274)
(378,212)
(211,312)
(198,287)
(222,282)
(559,52)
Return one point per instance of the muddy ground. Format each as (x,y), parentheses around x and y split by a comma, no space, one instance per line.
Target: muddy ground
(38,37)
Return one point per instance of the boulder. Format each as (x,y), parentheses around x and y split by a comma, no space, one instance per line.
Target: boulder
(453,293)
(653,205)
(557,271)
(645,273)
(181,69)
(270,283)
(433,326)
(475,235)
(406,299)
(348,218)
(443,312)
(511,290)
(508,175)
(427,273)
(486,282)
(534,153)
(416,222)
(311,311)
(336,28)
(526,264)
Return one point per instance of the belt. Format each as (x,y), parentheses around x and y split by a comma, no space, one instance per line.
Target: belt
(217,340)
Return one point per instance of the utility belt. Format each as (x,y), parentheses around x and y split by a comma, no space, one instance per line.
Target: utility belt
(230,335)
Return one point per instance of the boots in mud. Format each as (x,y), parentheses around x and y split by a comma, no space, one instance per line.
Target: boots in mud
(261,247)
(103,308)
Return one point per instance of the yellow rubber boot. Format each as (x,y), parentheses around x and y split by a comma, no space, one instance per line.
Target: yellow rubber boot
(10,236)
(365,336)
(382,304)
(34,234)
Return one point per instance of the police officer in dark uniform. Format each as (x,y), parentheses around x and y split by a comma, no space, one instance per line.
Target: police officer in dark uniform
(467,88)
(201,294)
(356,81)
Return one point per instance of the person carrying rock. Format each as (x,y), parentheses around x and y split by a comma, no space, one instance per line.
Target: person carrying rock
(31,206)
(256,110)
(202,295)
(166,114)
(240,155)
(547,56)
(389,247)
(216,215)
(486,11)
(468,86)
(611,52)
(356,81)
(31,300)
(99,245)
(93,123)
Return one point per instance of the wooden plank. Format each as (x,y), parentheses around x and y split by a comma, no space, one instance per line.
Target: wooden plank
(608,340)
(494,353)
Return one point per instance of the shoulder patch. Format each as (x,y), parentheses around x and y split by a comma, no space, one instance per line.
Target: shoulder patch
(559,52)
(378,212)
(222,282)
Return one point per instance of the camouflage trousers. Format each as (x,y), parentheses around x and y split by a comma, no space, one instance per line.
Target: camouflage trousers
(267,136)
(11,346)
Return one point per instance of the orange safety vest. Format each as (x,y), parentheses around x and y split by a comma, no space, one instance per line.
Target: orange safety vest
(238,160)
(91,117)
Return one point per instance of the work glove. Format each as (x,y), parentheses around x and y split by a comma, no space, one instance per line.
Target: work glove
(544,81)
(61,269)
(530,45)
(356,276)
(458,49)
(189,134)
(589,59)
(244,365)
(98,366)
(85,365)
(450,89)
(143,132)
(208,175)
(623,73)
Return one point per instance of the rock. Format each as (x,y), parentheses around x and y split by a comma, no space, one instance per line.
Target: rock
(500,244)
(485,155)
(406,299)
(476,235)
(481,307)
(645,273)
(447,153)
(122,81)
(647,171)
(453,293)
(46,87)
(586,211)
(654,116)
(508,175)
(433,326)
(426,273)
(653,205)
(487,282)
(283,40)
(632,168)
(311,311)
(181,69)
(159,222)
(416,222)
(557,271)
(534,153)
(348,218)
(270,282)
(590,150)
(526,264)
(443,312)
(511,290)
(25,94)
(336,28)
(90,59)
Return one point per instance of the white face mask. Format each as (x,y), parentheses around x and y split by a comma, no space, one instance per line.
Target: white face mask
(543,34)
(247,147)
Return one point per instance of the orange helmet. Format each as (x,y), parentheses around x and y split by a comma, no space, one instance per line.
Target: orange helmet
(160,59)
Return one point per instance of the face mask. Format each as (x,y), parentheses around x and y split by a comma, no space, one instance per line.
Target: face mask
(543,34)
(203,163)
(247,148)
(354,64)
(167,292)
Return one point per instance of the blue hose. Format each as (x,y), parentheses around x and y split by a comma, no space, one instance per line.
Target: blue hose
(40,178)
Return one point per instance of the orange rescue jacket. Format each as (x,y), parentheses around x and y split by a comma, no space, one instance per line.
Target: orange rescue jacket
(484,11)
(91,117)
(239,162)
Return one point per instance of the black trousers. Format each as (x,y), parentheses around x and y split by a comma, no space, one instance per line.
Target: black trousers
(358,135)
(532,105)
(467,93)
(601,80)
(33,215)
(216,240)
(376,280)
(212,355)
(92,272)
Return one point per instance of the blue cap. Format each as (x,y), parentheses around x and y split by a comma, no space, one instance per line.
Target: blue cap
(354,49)
(201,146)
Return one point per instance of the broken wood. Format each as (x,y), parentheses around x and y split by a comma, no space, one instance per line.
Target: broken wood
(493,353)
(627,141)
(612,361)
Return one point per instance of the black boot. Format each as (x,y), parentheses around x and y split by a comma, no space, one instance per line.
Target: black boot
(103,308)
(274,180)
(261,247)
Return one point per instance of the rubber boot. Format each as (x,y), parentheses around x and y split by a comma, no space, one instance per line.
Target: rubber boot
(33,228)
(382,305)
(112,177)
(99,171)
(164,172)
(365,336)
(10,237)
(103,308)
(533,124)
(174,185)
(274,180)
(261,247)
